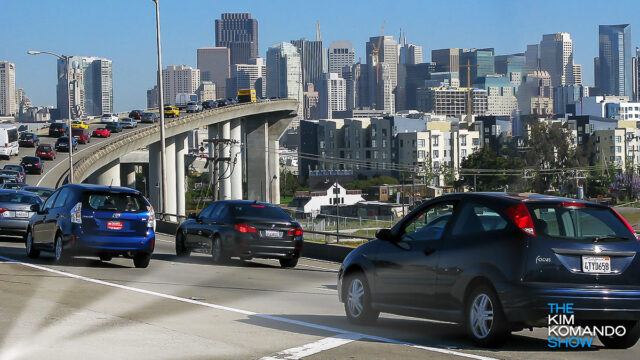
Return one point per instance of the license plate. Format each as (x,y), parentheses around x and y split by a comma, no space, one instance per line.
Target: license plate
(272,233)
(596,264)
(114,225)
(22,214)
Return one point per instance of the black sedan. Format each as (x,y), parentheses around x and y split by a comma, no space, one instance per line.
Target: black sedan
(28,140)
(244,229)
(62,144)
(16,210)
(114,127)
(32,165)
(495,261)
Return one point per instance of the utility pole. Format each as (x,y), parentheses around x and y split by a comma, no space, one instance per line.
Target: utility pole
(402,193)
(215,177)
(337,201)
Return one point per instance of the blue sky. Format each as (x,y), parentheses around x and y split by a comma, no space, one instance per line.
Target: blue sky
(124,31)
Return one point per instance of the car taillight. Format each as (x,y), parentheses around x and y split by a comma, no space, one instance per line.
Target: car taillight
(520,215)
(244,228)
(76,214)
(2,210)
(626,223)
(37,165)
(295,232)
(151,223)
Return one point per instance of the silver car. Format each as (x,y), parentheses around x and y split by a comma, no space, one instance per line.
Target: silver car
(16,210)
(128,123)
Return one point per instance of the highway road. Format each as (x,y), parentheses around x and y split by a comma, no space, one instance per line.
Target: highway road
(189,308)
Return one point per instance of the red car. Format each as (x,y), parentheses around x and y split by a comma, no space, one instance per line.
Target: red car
(83,136)
(136,114)
(101,132)
(46,151)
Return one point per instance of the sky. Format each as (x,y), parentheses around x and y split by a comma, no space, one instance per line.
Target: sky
(124,31)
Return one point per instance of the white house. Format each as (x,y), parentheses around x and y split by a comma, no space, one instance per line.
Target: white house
(310,202)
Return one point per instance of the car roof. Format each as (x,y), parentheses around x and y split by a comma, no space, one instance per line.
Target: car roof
(39,188)
(44,145)
(248,202)
(102,188)
(515,198)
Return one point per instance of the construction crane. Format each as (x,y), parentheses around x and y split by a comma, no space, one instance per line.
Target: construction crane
(469,89)
(375,54)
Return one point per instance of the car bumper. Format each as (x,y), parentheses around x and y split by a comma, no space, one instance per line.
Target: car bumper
(92,244)
(268,249)
(530,304)
(5,151)
(17,227)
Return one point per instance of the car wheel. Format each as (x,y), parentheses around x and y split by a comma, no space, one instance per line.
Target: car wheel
(181,249)
(106,257)
(358,302)
(61,255)
(141,260)
(630,337)
(217,251)
(485,322)
(289,263)
(28,243)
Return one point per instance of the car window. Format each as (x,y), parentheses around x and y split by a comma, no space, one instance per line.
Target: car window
(475,218)
(215,214)
(62,199)
(115,202)
(259,211)
(206,213)
(17,198)
(429,223)
(577,223)
(49,203)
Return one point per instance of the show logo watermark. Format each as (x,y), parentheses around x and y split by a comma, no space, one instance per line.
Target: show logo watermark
(564,333)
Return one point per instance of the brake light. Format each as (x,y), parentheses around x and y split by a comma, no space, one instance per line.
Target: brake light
(3,210)
(151,223)
(574,205)
(244,228)
(258,206)
(520,215)
(626,223)
(76,214)
(295,232)
(37,165)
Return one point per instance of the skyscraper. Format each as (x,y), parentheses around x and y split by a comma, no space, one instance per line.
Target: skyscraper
(331,95)
(512,66)
(284,75)
(91,86)
(250,76)
(556,57)
(239,33)
(615,60)
(214,64)
(178,79)
(7,88)
(412,54)
(532,59)
(382,60)
(577,74)
(311,59)
(481,62)
(636,75)
(341,54)
(447,60)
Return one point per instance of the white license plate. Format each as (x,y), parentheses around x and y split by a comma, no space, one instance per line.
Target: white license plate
(272,233)
(596,264)
(22,214)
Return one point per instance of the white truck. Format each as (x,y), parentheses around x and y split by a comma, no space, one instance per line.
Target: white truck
(182,99)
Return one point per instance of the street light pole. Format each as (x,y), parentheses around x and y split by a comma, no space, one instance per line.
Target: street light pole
(163,158)
(68,72)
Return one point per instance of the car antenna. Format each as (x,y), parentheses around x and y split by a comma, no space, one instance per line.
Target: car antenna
(110,185)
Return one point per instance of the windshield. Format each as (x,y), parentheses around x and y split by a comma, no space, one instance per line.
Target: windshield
(13,167)
(45,148)
(30,160)
(18,198)
(114,202)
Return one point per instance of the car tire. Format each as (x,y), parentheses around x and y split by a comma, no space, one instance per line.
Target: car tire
(357,304)
(485,321)
(106,257)
(218,255)
(61,256)
(28,244)
(141,260)
(288,263)
(630,338)
(181,249)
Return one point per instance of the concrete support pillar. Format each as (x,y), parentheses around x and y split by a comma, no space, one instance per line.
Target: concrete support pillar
(171,200)
(182,147)
(109,174)
(257,129)
(274,170)
(153,185)
(236,160)
(224,152)
(128,175)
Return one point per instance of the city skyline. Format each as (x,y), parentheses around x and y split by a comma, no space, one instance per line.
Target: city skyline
(134,60)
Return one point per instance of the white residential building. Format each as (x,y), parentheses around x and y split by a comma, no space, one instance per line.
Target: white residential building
(311,202)
(7,89)
(501,101)
(178,79)
(332,95)
(207,91)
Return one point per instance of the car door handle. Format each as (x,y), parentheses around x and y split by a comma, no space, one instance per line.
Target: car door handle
(428,251)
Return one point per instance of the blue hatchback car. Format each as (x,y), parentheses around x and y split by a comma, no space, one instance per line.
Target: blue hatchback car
(79,219)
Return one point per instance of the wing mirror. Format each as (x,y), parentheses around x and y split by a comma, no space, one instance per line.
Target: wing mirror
(193,216)
(36,208)
(386,235)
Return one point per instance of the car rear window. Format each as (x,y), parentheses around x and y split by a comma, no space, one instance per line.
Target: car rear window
(30,160)
(45,148)
(56,126)
(114,202)
(13,167)
(26,136)
(78,131)
(16,198)
(582,223)
(259,211)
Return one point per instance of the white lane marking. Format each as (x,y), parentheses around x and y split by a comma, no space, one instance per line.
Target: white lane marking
(250,313)
(314,347)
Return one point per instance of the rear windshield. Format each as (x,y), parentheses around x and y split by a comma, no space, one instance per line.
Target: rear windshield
(16,198)
(78,131)
(115,202)
(30,160)
(259,211)
(56,126)
(45,148)
(147,115)
(9,172)
(26,136)
(577,223)
(13,167)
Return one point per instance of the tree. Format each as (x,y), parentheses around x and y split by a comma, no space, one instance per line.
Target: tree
(488,159)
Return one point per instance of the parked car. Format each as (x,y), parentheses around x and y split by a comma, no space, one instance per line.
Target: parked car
(46,151)
(171,111)
(101,132)
(83,136)
(32,165)
(93,220)
(15,175)
(42,192)
(28,139)
(109,118)
(79,124)
(62,144)
(149,117)
(493,262)
(114,127)
(18,168)
(136,114)
(128,123)
(245,229)
(15,211)
(58,129)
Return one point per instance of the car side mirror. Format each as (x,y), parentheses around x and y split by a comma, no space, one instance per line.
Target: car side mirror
(35,208)
(193,216)
(386,235)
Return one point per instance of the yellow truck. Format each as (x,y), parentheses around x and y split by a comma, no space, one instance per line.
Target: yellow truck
(247,95)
